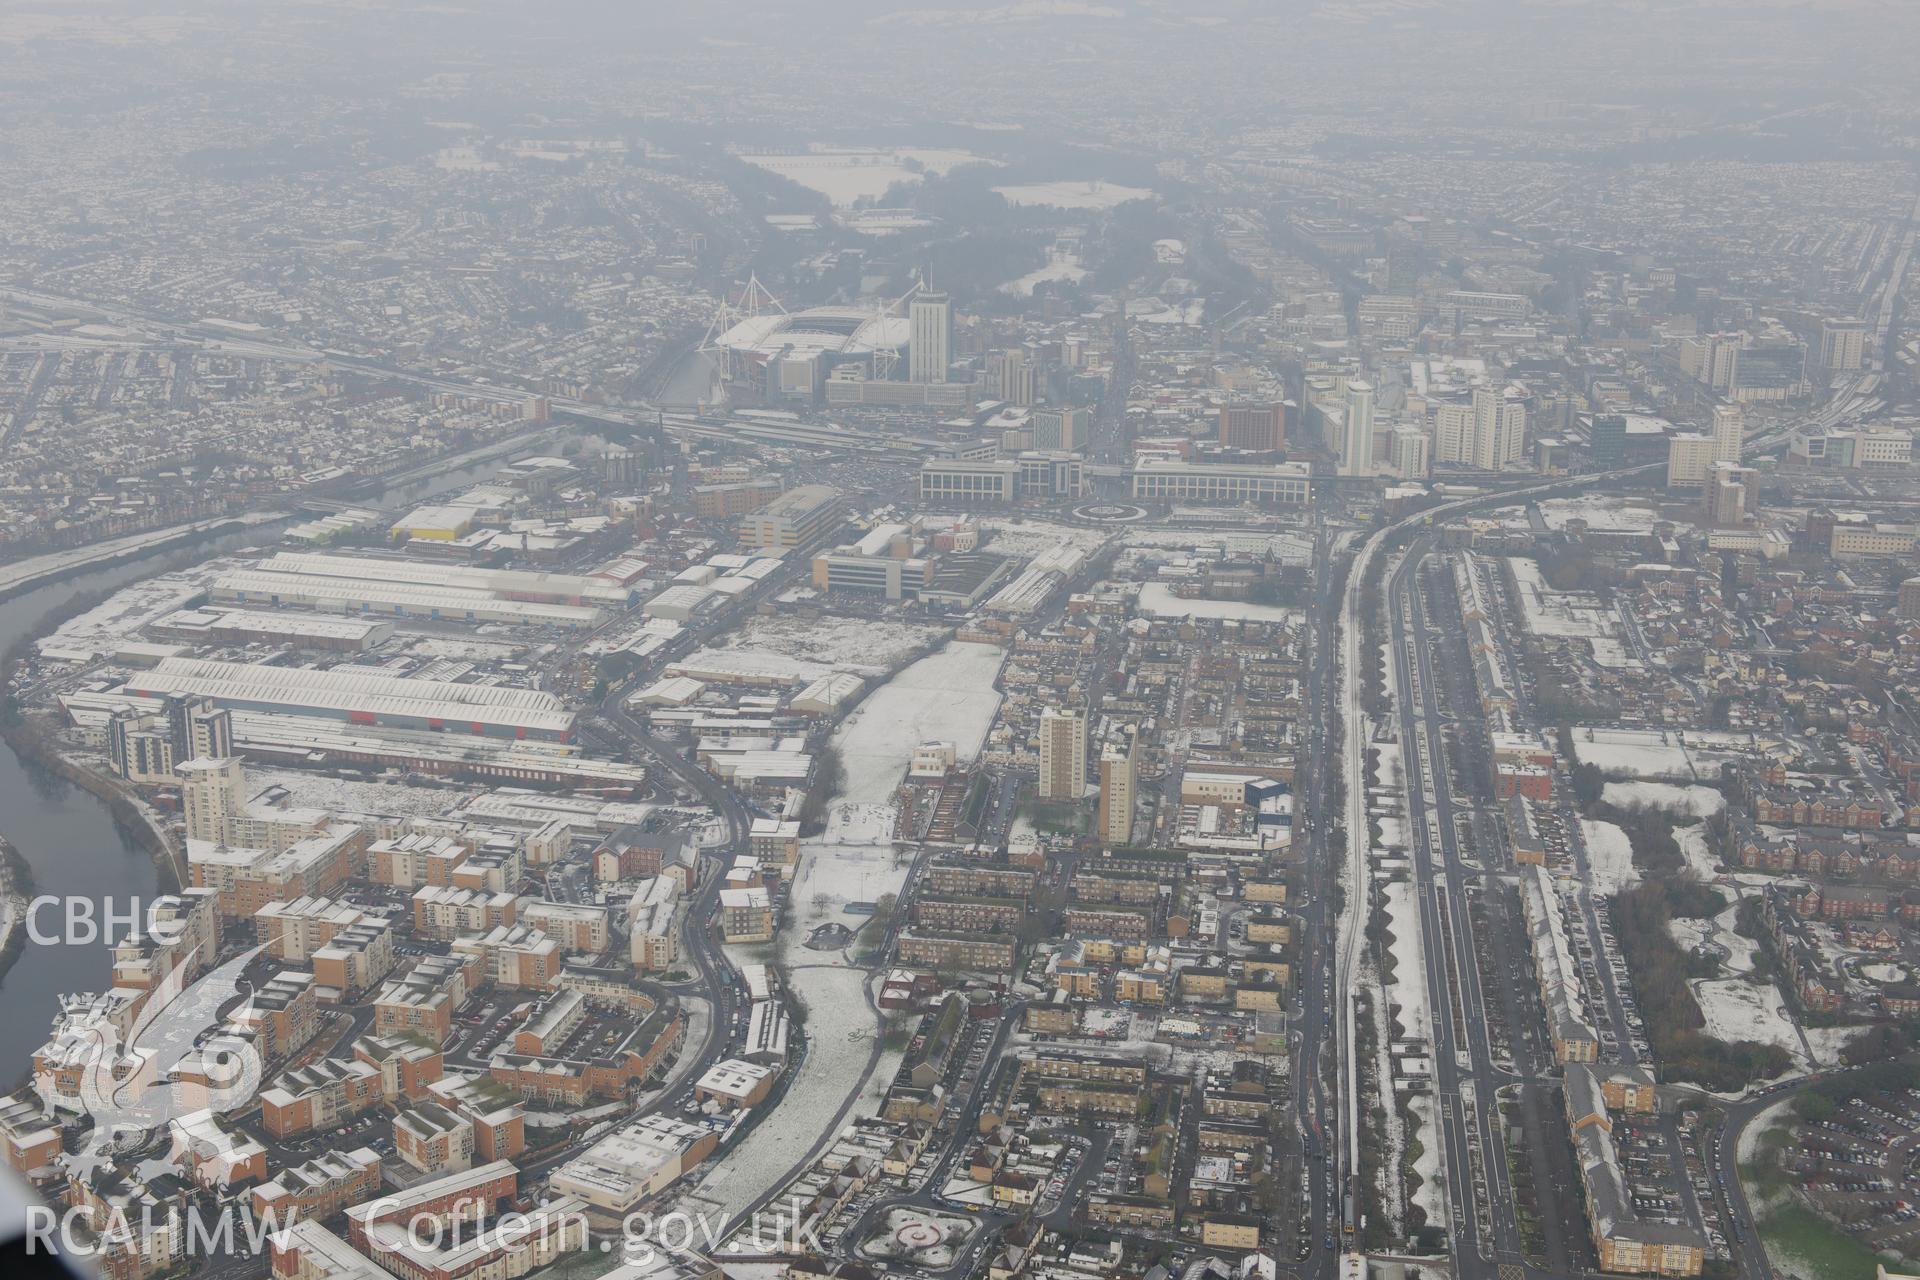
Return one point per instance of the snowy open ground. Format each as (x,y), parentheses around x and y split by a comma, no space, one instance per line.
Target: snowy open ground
(1157,598)
(947,695)
(1409,990)
(1736,1009)
(1391,773)
(1693,846)
(346,795)
(1061,265)
(1073,195)
(1560,613)
(814,646)
(1740,951)
(1692,802)
(1609,857)
(119,617)
(1666,753)
(845,176)
(1638,753)
(1599,513)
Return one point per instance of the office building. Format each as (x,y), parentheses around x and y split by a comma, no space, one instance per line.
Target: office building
(930,341)
(1356,442)
(1843,344)
(1050,474)
(1171,480)
(1010,376)
(1907,603)
(1607,440)
(1689,454)
(968,482)
(1769,369)
(1709,358)
(1062,429)
(1258,428)
(1867,446)
(794,519)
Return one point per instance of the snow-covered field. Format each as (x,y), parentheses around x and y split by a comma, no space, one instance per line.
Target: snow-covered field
(1668,754)
(1828,1041)
(1736,1009)
(1157,598)
(1693,846)
(1060,266)
(1392,773)
(1409,990)
(1073,195)
(846,176)
(1609,857)
(946,695)
(1598,512)
(1560,613)
(1612,654)
(1692,802)
(1639,753)
(346,795)
(863,646)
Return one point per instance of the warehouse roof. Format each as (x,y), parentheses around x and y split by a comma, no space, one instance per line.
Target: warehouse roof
(329,691)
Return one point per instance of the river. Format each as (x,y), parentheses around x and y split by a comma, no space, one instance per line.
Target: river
(66,835)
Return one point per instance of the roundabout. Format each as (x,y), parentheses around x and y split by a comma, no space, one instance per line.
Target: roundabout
(920,1237)
(1110,513)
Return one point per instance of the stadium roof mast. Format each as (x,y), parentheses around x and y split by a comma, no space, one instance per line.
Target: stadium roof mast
(886,358)
(755,300)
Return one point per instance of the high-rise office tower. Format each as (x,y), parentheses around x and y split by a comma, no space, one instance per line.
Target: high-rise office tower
(1729,432)
(1063,754)
(1119,778)
(1607,439)
(930,336)
(1356,453)
(1410,449)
